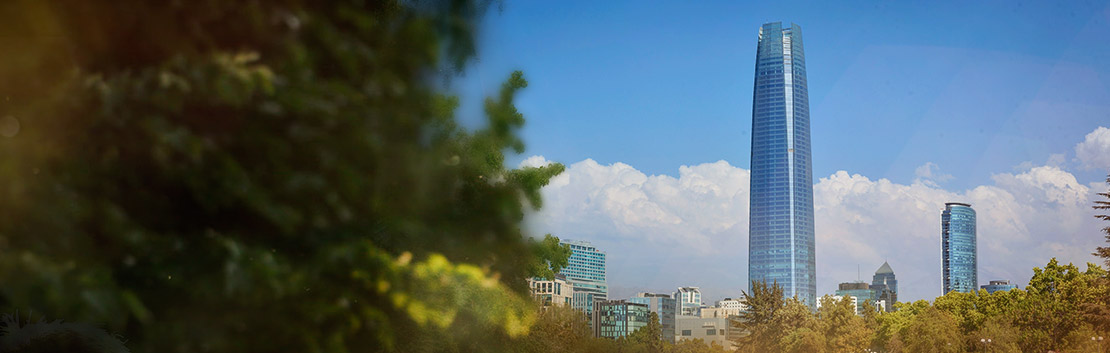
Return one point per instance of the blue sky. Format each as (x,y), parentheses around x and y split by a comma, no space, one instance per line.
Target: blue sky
(977,90)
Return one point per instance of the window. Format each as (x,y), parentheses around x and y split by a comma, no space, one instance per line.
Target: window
(687,332)
(711,332)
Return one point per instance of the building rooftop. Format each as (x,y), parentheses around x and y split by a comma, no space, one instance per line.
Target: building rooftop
(884,269)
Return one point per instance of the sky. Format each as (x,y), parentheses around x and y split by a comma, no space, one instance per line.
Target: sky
(1005,105)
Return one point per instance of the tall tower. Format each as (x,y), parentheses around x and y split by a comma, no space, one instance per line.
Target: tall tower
(961,269)
(780,231)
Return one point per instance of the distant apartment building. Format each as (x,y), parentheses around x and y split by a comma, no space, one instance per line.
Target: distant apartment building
(716,330)
(724,308)
(689,301)
(885,287)
(860,292)
(662,305)
(556,292)
(958,248)
(585,271)
(998,285)
(619,318)
(731,307)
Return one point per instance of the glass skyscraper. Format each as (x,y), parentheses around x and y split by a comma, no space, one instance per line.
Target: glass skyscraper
(780,233)
(957,224)
(885,286)
(585,270)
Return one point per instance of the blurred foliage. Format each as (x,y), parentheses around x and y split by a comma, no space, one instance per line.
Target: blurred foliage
(215,176)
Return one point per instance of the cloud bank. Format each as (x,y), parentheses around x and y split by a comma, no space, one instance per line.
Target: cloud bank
(661,232)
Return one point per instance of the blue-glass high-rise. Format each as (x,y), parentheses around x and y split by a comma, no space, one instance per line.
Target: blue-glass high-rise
(780,231)
(958,255)
(585,270)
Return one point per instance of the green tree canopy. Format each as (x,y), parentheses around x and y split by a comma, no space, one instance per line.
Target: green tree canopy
(262,176)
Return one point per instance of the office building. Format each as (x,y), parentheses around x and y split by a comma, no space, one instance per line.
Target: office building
(710,330)
(619,318)
(781,235)
(859,291)
(731,307)
(585,271)
(688,301)
(662,305)
(958,248)
(555,292)
(998,285)
(885,286)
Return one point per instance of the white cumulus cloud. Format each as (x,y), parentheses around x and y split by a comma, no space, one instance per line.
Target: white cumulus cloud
(1094,151)
(661,232)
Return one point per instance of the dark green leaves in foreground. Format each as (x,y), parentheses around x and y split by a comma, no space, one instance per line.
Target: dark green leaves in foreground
(262,176)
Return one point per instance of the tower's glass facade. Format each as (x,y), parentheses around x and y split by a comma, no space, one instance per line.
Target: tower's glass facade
(585,270)
(619,318)
(957,224)
(780,233)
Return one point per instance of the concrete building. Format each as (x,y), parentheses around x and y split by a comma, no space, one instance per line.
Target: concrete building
(724,308)
(716,330)
(662,305)
(619,318)
(556,292)
(688,301)
(731,307)
(998,285)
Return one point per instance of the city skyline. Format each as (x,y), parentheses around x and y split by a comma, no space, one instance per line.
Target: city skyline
(906,123)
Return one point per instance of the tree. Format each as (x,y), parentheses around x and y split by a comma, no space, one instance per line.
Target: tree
(1051,310)
(997,334)
(695,346)
(1098,312)
(890,325)
(262,176)
(932,331)
(558,329)
(551,256)
(842,329)
(650,335)
(764,303)
(1104,252)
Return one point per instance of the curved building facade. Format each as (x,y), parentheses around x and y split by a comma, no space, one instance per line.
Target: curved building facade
(780,233)
(958,246)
